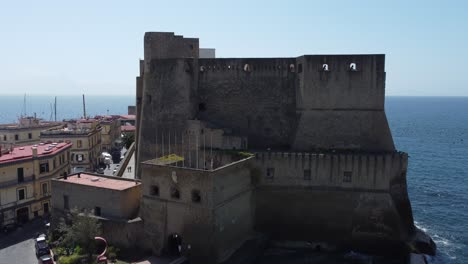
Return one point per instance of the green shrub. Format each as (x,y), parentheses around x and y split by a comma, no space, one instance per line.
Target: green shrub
(60,251)
(72,259)
(112,252)
(78,250)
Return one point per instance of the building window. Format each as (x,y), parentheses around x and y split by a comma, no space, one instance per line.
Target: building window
(202,107)
(196,197)
(79,157)
(97,211)
(21,194)
(20,173)
(16,137)
(66,206)
(78,143)
(175,193)
(347,176)
(307,175)
(299,68)
(45,188)
(29,135)
(44,167)
(54,163)
(270,173)
(154,190)
(4,137)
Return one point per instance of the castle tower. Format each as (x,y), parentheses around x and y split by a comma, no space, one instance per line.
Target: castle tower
(166,90)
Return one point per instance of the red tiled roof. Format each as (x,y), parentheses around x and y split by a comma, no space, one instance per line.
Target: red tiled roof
(128,128)
(25,152)
(129,117)
(100,182)
(88,120)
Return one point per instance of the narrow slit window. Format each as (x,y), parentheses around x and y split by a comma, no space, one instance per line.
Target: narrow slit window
(175,193)
(154,190)
(270,173)
(196,197)
(347,176)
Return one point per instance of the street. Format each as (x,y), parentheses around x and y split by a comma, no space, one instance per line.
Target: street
(18,245)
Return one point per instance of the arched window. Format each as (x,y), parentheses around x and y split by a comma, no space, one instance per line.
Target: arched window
(202,68)
(247,68)
(352,66)
(291,68)
(325,67)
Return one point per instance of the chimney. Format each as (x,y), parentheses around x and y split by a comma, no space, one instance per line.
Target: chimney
(65,176)
(34,152)
(79,174)
(0,151)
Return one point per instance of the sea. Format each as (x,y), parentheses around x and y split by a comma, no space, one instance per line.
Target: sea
(433,130)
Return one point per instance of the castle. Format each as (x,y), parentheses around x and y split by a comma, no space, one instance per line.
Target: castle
(323,167)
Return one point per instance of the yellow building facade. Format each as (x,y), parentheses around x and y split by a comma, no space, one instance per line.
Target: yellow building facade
(26,132)
(25,180)
(85,137)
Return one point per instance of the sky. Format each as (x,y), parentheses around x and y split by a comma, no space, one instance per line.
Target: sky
(93,47)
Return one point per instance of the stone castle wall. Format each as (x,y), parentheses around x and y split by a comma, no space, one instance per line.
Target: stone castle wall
(333,197)
(354,191)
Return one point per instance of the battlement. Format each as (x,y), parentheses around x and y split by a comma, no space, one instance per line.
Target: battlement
(304,103)
(166,45)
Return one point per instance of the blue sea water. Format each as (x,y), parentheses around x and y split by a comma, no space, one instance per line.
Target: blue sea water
(13,106)
(433,130)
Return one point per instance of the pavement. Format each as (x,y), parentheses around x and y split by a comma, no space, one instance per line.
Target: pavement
(18,245)
(129,171)
(161,260)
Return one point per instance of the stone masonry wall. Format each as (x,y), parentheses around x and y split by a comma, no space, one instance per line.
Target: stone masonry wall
(333,197)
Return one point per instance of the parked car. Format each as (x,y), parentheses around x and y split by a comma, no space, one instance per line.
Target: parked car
(42,248)
(46,259)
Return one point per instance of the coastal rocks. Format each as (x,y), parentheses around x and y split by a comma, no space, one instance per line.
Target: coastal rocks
(421,243)
(417,259)
(303,245)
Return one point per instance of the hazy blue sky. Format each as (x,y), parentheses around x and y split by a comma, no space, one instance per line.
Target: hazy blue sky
(60,47)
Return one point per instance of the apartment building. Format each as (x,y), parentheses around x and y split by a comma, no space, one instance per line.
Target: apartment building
(110,132)
(25,179)
(26,132)
(85,136)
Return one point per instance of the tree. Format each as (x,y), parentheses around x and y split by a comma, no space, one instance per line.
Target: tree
(80,229)
(128,139)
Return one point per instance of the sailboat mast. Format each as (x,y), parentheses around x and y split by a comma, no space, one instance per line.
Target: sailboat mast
(55,109)
(84,107)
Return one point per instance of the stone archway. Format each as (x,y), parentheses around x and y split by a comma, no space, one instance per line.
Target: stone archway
(22,215)
(174,244)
